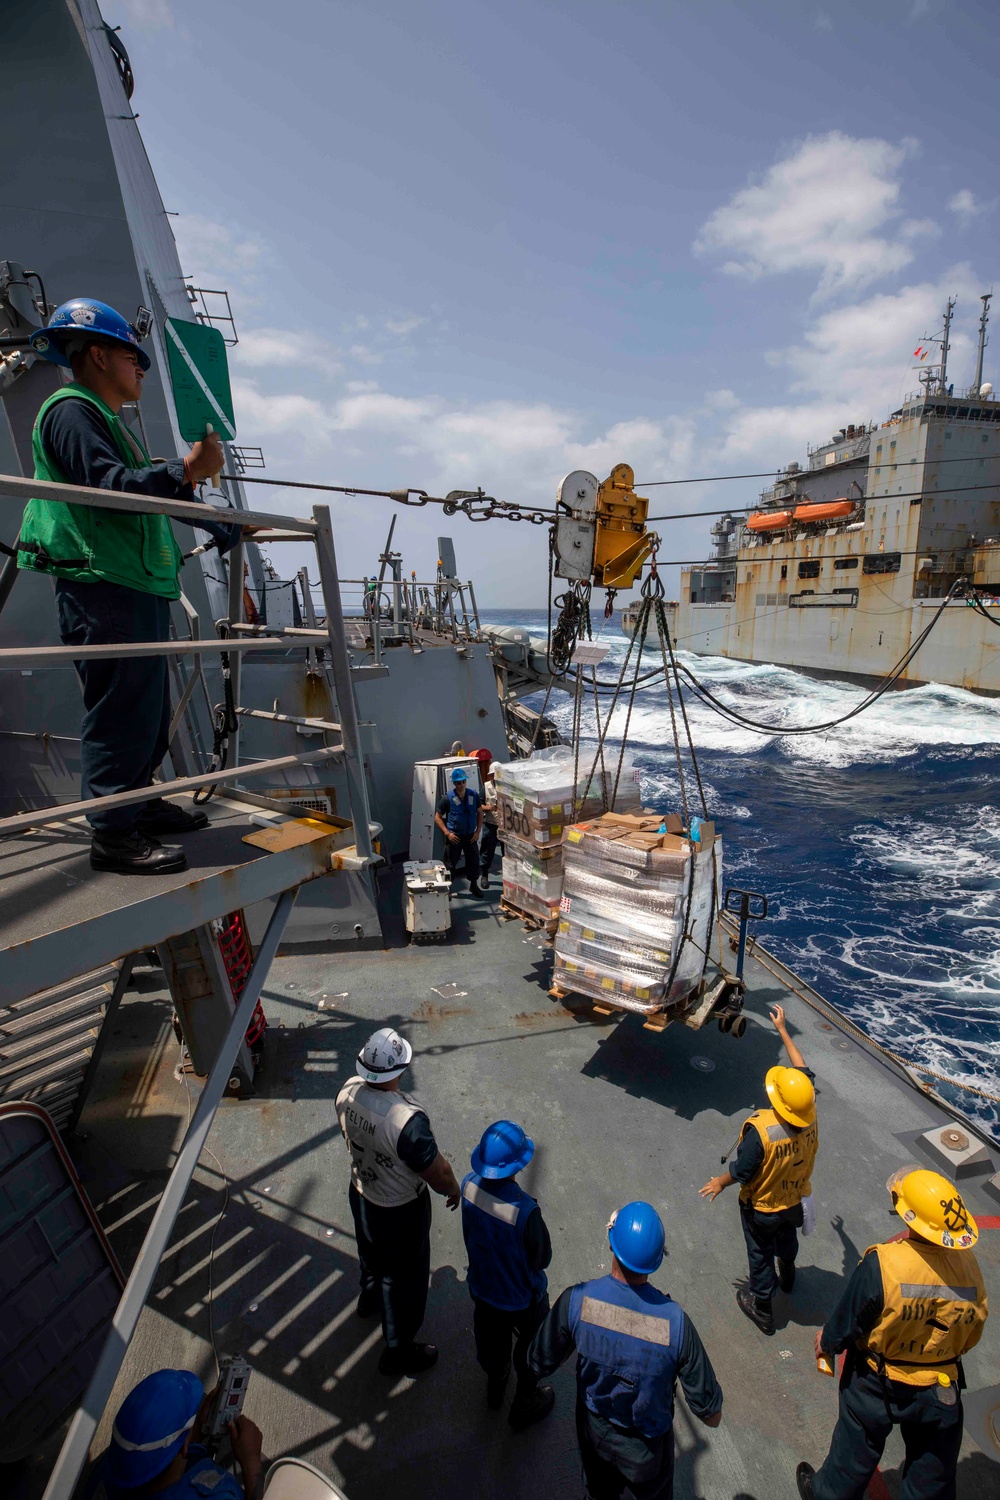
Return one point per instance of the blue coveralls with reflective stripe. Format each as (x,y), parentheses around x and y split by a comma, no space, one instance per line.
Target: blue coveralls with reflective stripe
(510,1298)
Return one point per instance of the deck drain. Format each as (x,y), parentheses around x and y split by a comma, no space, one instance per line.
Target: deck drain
(954,1140)
(844,1046)
(703,1064)
(825,1026)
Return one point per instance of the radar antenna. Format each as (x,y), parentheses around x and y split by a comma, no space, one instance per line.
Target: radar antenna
(985,299)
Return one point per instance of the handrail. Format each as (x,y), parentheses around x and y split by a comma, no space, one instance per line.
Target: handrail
(42,655)
(193,511)
(67,810)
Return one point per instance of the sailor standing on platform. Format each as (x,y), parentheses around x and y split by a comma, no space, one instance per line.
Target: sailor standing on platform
(633,1343)
(394,1159)
(774,1163)
(508,1247)
(910,1311)
(460,819)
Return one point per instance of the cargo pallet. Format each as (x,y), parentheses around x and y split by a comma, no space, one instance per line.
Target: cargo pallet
(657,1020)
(532,923)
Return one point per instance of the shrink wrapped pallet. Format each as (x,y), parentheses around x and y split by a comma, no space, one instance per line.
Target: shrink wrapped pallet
(538,798)
(636,913)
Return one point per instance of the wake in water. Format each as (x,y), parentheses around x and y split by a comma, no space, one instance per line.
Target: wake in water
(877,843)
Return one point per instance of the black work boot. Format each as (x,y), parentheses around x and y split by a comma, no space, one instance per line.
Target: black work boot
(757,1310)
(132,852)
(474,889)
(496,1389)
(804,1476)
(786,1274)
(530,1406)
(161,816)
(409,1359)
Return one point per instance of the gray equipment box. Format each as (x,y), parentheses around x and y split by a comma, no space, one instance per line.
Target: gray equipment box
(59,1282)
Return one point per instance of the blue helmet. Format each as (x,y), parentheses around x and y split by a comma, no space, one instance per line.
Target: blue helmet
(637,1238)
(458,774)
(85,315)
(151,1426)
(503,1150)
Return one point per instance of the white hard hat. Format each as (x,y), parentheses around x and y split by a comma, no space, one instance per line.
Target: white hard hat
(494,767)
(384,1056)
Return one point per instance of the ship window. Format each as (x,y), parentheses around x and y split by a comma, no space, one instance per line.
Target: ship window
(845,562)
(772,598)
(760,599)
(882,562)
(784,570)
(694,596)
(809,569)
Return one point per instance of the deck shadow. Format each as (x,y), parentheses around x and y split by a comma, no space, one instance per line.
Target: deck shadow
(664,1067)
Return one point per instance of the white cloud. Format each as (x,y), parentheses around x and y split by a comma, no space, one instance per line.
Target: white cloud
(269,348)
(829,207)
(966,205)
(215,254)
(402,326)
(853,364)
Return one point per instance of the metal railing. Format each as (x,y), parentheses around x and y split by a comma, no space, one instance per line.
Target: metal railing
(336,661)
(330,647)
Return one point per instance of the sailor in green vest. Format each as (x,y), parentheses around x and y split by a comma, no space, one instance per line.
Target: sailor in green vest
(115,573)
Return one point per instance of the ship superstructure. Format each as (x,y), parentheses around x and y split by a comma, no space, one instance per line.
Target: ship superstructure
(838,568)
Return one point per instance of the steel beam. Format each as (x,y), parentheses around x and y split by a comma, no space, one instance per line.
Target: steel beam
(235,564)
(340,665)
(43,656)
(73,1455)
(20,822)
(194,512)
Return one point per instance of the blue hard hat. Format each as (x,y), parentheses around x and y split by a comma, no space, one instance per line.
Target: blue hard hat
(637,1238)
(503,1150)
(458,774)
(85,315)
(151,1426)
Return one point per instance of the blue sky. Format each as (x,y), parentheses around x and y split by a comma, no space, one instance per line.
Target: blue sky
(481,244)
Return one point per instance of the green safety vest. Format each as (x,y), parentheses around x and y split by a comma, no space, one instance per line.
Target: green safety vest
(88,545)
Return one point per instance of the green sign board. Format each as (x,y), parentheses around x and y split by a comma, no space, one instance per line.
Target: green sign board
(199,373)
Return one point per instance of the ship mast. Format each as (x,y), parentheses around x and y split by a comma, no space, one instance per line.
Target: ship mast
(939,381)
(985,299)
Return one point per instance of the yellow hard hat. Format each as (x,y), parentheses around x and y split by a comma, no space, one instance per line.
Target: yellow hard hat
(792,1095)
(933,1207)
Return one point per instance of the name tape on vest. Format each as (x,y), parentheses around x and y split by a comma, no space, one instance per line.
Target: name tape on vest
(490,1205)
(935,1292)
(625,1320)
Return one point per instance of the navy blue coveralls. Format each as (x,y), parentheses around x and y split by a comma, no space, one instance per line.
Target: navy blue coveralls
(929,1418)
(509,1248)
(461,815)
(767,1235)
(126,702)
(632,1343)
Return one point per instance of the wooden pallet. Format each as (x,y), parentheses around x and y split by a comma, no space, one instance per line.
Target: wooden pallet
(511,913)
(657,1021)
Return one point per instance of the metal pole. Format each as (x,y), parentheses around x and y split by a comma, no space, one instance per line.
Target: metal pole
(309,612)
(983,341)
(340,665)
(475,609)
(15,487)
(235,618)
(73,1454)
(8,578)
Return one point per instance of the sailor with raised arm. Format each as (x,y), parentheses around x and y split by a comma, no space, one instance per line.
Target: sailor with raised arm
(911,1310)
(774,1163)
(394,1159)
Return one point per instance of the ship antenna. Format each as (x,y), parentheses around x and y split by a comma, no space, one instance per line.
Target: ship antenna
(945,345)
(983,341)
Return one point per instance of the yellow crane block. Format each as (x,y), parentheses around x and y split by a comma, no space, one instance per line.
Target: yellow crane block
(622,543)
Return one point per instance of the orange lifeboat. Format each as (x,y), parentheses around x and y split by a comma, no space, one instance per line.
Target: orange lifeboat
(769,520)
(824,510)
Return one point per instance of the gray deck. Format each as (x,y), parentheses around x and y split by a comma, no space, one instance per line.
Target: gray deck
(617,1112)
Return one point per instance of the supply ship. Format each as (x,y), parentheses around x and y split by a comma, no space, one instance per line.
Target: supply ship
(840,566)
(173,1184)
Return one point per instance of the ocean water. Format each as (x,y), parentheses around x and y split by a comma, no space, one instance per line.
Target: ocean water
(877,845)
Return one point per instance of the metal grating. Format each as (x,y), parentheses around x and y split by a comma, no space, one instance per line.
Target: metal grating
(47,1041)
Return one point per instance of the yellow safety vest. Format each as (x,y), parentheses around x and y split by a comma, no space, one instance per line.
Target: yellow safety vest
(934,1310)
(789,1153)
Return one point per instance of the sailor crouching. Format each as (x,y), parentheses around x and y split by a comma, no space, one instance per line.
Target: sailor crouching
(911,1310)
(509,1248)
(774,1164)
(633,1343)
(394,1159)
